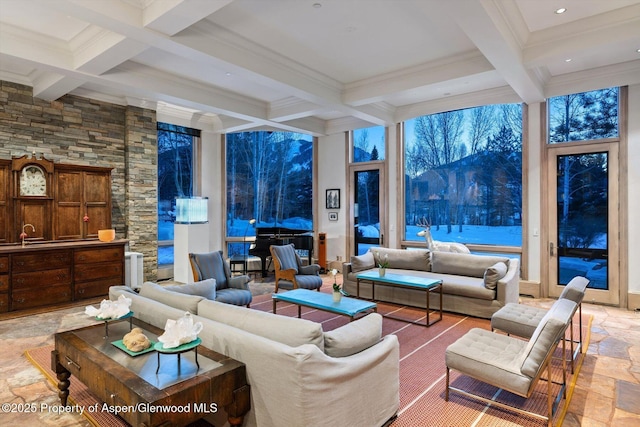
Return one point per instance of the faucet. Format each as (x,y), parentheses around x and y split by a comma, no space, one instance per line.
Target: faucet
(23,235)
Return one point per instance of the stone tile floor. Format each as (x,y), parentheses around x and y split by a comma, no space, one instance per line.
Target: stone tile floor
(607,392)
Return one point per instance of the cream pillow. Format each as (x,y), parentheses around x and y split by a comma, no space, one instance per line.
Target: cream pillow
(354,337)
(494,273)
(362,262)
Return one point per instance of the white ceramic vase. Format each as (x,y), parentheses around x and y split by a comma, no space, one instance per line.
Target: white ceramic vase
(337,296)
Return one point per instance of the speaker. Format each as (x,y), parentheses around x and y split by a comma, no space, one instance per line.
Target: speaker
(322,251)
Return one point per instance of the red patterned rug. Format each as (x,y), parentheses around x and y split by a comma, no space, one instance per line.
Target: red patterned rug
(422,372)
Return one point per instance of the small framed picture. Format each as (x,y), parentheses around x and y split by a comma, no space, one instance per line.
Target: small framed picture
(333,216)
(333,198)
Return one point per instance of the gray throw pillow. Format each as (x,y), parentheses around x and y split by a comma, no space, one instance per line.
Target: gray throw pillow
(362,262)
(204,288)
(493,274)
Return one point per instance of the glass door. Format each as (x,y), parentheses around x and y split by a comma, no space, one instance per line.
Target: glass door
(367,213)
(582,236)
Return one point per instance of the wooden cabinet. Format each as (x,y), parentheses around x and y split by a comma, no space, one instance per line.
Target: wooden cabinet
(82,202)
(61,201)
(5,201)
(4,284)
(97,269)
(46,274)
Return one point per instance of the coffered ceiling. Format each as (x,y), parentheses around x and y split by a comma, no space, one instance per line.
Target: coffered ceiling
(317,66)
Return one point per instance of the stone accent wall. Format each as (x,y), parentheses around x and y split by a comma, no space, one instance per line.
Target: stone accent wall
(142,186)
(78,130)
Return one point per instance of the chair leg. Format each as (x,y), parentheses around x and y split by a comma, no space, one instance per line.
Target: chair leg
(549,398)
(446,391)
(277,280)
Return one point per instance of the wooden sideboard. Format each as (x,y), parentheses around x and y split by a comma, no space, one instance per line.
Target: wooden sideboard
(45,274)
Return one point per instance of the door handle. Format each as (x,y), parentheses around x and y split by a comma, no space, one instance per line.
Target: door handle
(550,248)
(381,239)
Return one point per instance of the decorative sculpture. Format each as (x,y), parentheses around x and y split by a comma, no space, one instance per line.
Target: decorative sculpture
(437,246)
(181,331)
(136,340)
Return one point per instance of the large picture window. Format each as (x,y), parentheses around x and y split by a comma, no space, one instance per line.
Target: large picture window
(270,181)
(175,179)
(463,175)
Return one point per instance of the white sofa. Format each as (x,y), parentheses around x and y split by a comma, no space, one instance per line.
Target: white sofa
(299,375)
(477,285)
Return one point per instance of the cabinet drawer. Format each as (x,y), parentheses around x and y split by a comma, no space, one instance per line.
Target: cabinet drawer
(40,261)
(41,279)
(4,303)
(95,288)
(44,295)
(103,270)
(4,282)
(4,264)
(98,255)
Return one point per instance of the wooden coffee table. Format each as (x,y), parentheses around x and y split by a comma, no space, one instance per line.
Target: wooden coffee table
(408,282)
(322,301)
(180,393)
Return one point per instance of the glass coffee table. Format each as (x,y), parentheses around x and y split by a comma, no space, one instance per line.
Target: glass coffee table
(323,301)
(408,282)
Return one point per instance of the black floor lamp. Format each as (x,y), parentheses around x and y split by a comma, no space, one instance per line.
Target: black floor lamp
(244,246)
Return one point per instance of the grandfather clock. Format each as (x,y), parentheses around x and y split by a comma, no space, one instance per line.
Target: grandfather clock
(32,193)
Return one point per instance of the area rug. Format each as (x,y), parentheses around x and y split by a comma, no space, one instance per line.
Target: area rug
(422,372)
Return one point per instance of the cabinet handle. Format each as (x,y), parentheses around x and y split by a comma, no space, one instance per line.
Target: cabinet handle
(20,263)
(72,363)
(20,300)
(20,281)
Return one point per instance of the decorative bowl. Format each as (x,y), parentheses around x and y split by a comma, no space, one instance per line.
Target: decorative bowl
(107,235)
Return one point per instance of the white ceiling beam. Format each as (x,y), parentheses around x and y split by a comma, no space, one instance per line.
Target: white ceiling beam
(484,23)
(292,108)
(377,88)
(51,86)
(172,16)
(105,51)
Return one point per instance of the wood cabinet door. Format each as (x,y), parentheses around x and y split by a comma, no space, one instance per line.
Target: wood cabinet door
(97,200)
(5,207)
(68,212)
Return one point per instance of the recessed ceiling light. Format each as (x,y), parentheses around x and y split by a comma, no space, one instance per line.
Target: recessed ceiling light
(638,50)
(567,60)
(317,5)
(561,10)
(227,74)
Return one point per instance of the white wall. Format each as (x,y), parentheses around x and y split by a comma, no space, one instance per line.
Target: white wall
(331,174)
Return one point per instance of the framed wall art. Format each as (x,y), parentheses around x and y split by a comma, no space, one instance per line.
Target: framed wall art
(333,198)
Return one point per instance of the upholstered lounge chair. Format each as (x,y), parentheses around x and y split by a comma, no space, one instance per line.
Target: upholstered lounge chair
(231,290)
(510,363)
(290,273)
(522,320)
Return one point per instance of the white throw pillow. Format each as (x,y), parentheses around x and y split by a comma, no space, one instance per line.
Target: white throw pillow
(354,337)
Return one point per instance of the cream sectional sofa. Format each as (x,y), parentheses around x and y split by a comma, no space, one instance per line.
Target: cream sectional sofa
(299,375)
(476,285)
